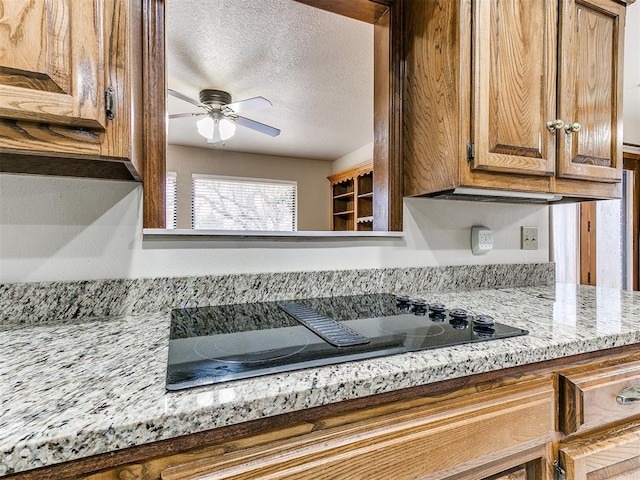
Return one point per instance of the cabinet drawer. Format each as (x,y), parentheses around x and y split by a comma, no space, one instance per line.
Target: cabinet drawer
(588,399)
(610,454)
(426,442)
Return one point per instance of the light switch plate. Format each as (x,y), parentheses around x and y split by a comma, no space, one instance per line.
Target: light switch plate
(481,240)
(529,238)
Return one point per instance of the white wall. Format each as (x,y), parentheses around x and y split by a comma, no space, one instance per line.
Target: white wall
(609,244)
(351,159)
(565,225)
(76,229)
(566,243)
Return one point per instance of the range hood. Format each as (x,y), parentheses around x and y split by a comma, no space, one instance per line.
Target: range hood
(504,196)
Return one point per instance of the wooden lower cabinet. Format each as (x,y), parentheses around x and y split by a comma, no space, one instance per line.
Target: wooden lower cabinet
(517,474)
(501,433)
(588,396)
(559,420)
(612,454)
(600,414)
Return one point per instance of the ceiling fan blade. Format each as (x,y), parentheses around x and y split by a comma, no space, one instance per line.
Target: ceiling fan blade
(182,115)
(255,103)
(257,126)
(185,98)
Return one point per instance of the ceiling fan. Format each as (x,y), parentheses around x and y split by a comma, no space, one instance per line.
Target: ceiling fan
(221,116)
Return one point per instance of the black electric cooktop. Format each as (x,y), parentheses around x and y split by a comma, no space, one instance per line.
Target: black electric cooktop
(229,342)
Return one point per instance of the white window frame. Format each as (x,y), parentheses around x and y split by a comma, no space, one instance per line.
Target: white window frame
(246,180)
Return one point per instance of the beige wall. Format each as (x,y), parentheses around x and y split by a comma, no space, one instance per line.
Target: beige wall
(314,204)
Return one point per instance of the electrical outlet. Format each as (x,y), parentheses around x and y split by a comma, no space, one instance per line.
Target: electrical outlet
(481,240)
(529,238)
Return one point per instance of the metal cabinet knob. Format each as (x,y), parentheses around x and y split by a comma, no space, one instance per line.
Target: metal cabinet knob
(553,125)
(572,128)
(629,395)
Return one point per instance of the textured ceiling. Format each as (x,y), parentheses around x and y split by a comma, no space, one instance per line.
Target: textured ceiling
(315,67)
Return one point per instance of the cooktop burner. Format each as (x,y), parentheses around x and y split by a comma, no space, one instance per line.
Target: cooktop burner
(228,342)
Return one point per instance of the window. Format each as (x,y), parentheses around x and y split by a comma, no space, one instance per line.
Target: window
(231,203)
(172,195)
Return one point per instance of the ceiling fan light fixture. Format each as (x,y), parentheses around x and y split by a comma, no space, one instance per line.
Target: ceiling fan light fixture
(216,130)
(221,116)
(227,128)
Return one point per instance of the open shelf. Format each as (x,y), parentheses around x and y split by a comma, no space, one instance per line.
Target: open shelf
(352,198)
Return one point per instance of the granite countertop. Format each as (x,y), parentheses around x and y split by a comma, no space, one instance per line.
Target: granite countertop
(75,389)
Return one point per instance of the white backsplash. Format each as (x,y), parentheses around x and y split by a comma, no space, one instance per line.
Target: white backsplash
(58,229)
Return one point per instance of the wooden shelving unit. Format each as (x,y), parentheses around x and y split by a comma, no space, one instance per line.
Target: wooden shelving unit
(352,198)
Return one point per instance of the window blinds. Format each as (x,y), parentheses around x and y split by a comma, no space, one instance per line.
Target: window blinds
(172,196)
(229,203)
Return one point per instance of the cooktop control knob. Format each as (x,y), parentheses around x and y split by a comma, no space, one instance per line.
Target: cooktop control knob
(403,302)
(459,324)
(419,306)
(484,332)
(437,308)
(459,314)
(483,321)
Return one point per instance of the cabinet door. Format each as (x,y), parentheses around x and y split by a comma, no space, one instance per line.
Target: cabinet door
(444,440)
(51,61)
(590,90)
(514,86)
(613,455)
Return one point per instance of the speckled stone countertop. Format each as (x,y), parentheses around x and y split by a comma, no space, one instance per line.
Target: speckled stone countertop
(80,388)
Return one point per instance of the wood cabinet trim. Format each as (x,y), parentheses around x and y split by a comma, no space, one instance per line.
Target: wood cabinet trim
(632,162)
(155,92)
(388,64)
(588,398)
(354,172)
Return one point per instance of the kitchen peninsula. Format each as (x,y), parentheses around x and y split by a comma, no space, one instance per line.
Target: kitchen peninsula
(77,389)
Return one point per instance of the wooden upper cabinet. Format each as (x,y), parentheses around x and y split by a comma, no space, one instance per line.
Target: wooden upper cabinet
(590,90)
(514,85)
(494,92)
(58,59)
(51,67)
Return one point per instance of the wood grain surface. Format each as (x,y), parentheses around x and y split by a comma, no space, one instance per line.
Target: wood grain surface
(431,96)
(588,398)
(514,86)
(95,43)
(53,74)
(590,89)
(610,454)
(399,445)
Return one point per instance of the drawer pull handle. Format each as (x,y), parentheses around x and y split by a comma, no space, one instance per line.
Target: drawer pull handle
(629,395)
